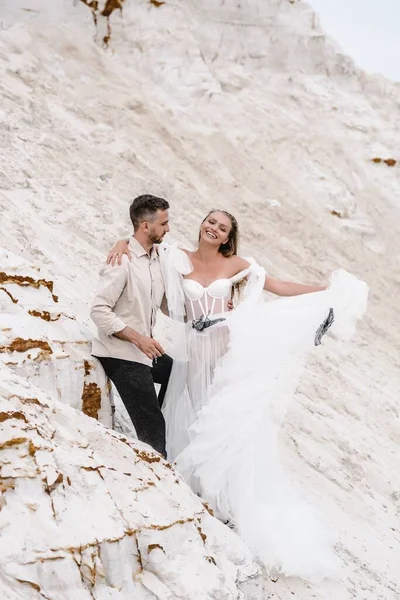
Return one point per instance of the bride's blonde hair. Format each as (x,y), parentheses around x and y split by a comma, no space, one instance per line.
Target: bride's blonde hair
(230,248)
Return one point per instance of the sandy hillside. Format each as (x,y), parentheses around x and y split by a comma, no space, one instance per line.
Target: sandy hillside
(246,106)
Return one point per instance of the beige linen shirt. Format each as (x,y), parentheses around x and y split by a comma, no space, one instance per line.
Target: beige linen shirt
(128,295)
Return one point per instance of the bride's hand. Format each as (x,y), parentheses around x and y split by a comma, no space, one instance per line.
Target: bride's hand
(115,255)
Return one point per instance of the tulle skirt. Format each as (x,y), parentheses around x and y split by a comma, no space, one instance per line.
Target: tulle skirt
(190,383)
(223,421)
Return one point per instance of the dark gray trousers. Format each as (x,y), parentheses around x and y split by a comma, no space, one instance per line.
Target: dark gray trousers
(135,384)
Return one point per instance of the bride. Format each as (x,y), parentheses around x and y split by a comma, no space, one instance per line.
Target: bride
(234,375)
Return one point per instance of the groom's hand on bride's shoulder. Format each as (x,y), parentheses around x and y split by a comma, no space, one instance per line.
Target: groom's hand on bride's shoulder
(117,251)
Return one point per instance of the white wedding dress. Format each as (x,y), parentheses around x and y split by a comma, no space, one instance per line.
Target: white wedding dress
(234,376)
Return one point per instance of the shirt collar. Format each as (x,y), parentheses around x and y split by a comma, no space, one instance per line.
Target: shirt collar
(139,251)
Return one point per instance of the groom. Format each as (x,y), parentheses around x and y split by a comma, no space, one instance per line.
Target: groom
(124,309)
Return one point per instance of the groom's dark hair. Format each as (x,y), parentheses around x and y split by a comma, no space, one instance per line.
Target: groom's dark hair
(145,207)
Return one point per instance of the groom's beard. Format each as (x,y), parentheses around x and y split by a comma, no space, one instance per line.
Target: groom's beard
(156,239)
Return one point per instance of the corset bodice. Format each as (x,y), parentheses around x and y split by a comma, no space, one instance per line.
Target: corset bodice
(210,300)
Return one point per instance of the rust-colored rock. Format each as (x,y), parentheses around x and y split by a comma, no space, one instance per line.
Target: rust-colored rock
(88,367)
(32,448)
(13,442)
(14,300)
(21,345)
(156,3)
(28,281)
(32,584)
(91,400)
(50,488)
(208,508)
(153,547)
(149,458)
(6,483)
(94,7)
(109,7)
(15,414)
(32,401)
(202,535)
(164,527)
(43,314)
(390,162)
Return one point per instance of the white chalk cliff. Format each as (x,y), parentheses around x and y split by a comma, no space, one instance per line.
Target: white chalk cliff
(86,513)
(42,342)
(247,106)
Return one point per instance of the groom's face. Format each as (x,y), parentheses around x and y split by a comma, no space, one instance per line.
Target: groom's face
(158,227)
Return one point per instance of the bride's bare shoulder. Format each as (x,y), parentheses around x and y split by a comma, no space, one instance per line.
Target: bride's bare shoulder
(238,264)
(188,253)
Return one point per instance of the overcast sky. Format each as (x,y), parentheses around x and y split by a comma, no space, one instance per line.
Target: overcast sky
(367,30)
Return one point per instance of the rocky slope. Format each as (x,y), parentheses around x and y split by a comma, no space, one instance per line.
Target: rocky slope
(86,513)
(44,344)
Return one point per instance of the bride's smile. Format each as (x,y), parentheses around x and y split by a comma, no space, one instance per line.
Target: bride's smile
(216,228)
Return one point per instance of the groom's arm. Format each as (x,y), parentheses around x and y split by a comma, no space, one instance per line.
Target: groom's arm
(111,285)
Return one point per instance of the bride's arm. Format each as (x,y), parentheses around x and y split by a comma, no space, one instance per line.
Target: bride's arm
(117,251)
(288,288)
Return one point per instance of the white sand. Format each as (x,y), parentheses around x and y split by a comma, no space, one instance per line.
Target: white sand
(249,107)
